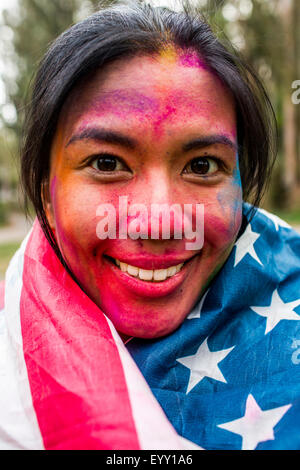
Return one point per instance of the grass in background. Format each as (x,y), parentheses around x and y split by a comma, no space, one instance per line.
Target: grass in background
(7,250)
(3,214)
(292,217)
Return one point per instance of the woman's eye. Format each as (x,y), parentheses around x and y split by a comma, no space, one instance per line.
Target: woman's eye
(202,166)
(108,163)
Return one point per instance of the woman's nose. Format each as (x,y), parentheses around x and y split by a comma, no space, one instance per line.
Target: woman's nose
(161,214)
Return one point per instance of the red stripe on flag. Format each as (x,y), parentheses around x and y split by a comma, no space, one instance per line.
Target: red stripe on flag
(76,378)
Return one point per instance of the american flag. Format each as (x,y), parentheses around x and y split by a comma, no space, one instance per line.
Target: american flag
(229,377)
(67,381)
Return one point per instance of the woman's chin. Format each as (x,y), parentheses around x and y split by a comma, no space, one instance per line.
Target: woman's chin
(148,329)
(144,334)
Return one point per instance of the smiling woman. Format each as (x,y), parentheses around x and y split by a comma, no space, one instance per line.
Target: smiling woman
(143,131)
(138,130)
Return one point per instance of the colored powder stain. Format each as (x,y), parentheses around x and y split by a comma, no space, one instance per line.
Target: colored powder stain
(169,53)
(237,201)
(220,198)
(232,199)
(191,59)
(121,102)
(169,111)
(236,173)
(186,58)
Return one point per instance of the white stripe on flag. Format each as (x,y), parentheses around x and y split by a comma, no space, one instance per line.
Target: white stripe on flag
(18,424)
(154,430)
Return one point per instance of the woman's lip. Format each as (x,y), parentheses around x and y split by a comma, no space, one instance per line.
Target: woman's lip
(150,288)
(151,263)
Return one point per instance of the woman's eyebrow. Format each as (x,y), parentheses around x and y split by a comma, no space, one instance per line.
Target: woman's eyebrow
(205,141)
(103,135)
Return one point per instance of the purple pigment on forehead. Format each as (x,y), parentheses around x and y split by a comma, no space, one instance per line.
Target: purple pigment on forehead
(191,59)
(122,101)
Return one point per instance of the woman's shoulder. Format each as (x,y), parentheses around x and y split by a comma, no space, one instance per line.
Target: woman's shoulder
(267,218)
(270,233)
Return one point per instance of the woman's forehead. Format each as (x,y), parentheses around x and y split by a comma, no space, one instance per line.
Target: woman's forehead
(160,89)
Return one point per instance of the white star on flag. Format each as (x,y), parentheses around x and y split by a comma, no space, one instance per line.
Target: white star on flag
(275,219)
(256,425)
(204,364)
(245,244)
(195,313)
(277,311)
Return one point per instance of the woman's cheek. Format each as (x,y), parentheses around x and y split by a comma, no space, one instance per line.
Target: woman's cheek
(223,216)
(75,210)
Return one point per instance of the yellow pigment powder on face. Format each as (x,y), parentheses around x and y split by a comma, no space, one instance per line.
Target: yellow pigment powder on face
(169,53)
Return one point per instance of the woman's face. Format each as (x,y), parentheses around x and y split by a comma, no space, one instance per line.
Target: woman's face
(149,130)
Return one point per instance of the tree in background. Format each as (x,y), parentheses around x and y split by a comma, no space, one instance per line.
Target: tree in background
(31,26)
(35,24)
(267,33)
(271,45)
(290,16)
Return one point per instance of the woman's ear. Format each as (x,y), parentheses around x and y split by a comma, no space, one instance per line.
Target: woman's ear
(47,204)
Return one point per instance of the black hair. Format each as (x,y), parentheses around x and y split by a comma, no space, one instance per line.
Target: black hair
(125,30)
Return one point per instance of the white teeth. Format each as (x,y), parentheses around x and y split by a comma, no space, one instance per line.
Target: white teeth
(160,274)
(149,274)
(178,267)
(132,270)
(171,271)
(146,274)
(123,267)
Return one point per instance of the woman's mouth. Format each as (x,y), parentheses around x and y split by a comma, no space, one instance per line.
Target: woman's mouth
(158,282)
(151,275)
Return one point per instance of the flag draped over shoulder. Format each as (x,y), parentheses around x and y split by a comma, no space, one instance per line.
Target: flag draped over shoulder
(66,378)
(229,377)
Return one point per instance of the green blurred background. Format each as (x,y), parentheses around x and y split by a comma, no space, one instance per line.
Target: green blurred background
(266,32)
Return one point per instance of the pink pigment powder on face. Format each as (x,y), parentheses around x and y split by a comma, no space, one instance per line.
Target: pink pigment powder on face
(190,58)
